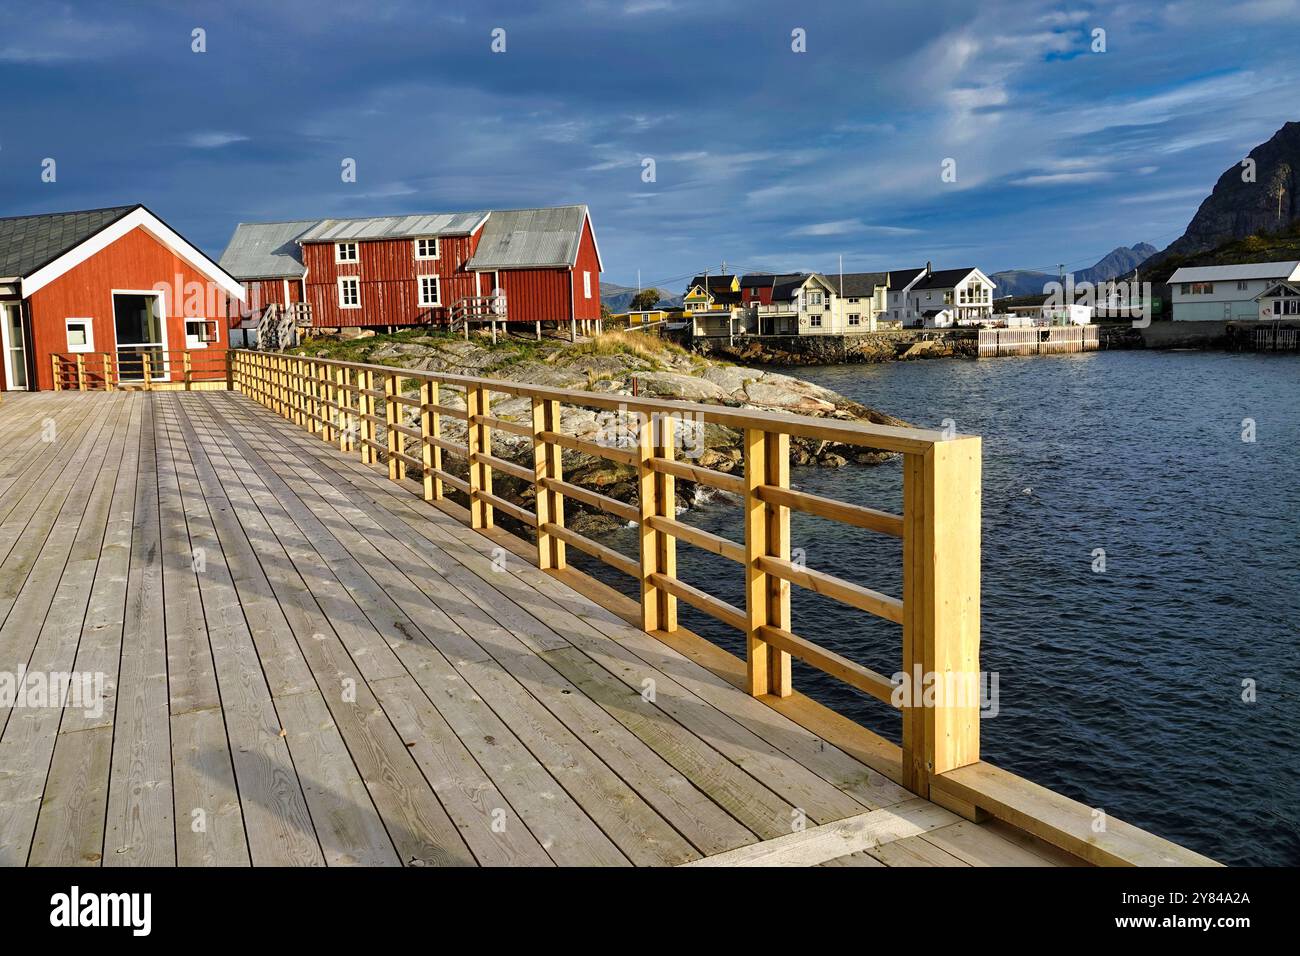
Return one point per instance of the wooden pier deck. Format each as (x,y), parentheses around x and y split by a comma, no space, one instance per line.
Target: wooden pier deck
(307,664)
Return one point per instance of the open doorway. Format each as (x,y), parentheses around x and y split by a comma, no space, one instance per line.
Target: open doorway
(13,343)
(141,329)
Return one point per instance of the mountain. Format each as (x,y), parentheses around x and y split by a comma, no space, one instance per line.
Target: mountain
(1119,261)
(1236,209)
(619,297)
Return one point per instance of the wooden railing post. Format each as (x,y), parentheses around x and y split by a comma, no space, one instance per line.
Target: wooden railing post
(297,392)
(547,465)
(430,430)
(187,368)
(479,442)
(941,616)
(767,534)
(146,371)
(347,423)
(54,368)
(657,497)
(81,372)
(108,373)
(325,386)
(392,417)
(366,416)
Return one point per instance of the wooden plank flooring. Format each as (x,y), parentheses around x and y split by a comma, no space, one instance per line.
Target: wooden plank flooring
(304,664)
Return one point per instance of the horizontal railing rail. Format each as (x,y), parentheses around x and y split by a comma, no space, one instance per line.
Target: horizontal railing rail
(142,367)
(367,409)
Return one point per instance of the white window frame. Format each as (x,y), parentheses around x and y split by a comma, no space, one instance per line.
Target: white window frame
(419,292)
(349,279)
(193,342)
(815,321)
(338,252)
(437,247)
(855,318)
(90,335)
(586,284)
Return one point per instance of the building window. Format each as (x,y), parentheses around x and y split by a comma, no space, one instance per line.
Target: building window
(81,335)
(199,332)
(346,252)
(426,248)
(429,291)
(349,292)
(1242,285)
(855,318)
(814,298)
(815,321)
(586,284)
(1197,288)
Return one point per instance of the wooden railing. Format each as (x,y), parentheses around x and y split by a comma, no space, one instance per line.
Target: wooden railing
(366,408)
(142,369)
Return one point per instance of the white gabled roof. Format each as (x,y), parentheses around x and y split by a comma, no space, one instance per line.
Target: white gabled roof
(1245,270)
(144,219)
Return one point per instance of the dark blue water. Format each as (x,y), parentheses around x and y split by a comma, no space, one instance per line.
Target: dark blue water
(1124,688)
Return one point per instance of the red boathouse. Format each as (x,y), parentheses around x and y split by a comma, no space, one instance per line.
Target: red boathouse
(535,265)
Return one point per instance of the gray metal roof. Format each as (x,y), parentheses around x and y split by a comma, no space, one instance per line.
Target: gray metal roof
(395,227)
(266,250)
(29,242)
(524,238)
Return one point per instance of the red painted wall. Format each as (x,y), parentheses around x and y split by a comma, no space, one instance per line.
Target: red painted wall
(259,293)
(586,308)
(136,261)
(388,270)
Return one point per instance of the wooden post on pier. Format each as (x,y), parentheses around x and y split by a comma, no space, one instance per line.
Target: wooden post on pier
(941,618)
(767,534)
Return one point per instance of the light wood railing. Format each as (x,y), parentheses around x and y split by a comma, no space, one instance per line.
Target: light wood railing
(366,409)
(145,369)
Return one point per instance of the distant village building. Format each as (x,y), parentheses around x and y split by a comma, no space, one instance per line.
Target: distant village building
(520,265)
(796,303)
(924,297)
(1232,292)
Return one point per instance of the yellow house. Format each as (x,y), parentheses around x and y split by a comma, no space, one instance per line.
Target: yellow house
(711,293)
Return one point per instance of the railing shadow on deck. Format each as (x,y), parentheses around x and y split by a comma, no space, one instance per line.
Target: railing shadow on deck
(366,409)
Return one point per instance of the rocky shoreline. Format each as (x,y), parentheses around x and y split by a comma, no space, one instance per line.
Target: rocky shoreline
(617,364)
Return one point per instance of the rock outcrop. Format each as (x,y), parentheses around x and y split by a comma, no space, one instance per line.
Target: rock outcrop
(1238,208)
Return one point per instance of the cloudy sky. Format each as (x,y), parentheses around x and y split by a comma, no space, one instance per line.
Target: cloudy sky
(764,157)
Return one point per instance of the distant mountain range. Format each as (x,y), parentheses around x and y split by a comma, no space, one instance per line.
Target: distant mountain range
(1117,262)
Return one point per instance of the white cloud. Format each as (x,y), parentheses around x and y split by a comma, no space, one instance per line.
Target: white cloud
(214,139)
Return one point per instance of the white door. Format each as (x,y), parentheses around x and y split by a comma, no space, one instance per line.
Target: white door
(13,342)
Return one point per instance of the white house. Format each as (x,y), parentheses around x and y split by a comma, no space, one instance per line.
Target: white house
(1281,300)
(939,299)
(1219,293)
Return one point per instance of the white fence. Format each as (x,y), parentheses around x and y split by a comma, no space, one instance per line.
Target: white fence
(1040,340)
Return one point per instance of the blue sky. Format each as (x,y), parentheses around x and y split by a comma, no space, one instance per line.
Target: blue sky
(764,157)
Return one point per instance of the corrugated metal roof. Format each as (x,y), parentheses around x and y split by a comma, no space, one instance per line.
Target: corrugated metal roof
(1245,270)
(395,227)
(266,250)
(537,238)
(29,242)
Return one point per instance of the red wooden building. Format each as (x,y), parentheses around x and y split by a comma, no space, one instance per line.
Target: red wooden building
(529,265)
(111,284)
